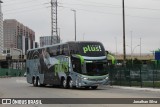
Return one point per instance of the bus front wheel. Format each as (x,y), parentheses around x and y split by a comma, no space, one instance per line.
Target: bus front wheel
(70,83)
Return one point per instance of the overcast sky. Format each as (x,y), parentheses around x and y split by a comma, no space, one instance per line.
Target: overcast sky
(97,20)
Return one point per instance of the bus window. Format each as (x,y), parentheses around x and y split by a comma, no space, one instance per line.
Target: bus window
(53,51)
(73,48)
(76,64)
(40,51)
(66,52)
(58,50)
(62,50)
(96,68)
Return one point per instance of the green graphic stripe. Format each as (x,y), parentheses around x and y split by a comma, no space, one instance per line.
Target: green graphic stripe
(81,58)
(112,58)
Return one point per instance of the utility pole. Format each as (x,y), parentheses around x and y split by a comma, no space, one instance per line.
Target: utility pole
(124,41)
(75,23)
(54,20)
(1,29)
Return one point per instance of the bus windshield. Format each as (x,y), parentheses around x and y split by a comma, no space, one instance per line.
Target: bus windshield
(96,68)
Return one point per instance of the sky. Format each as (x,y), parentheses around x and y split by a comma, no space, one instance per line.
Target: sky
(97,20)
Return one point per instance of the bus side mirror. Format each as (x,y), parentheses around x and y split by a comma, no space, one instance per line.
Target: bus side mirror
(107,52)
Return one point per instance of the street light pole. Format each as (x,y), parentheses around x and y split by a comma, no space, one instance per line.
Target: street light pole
(1,29)
(59,36)
(133,51)
(116,45)
(140,47)
(124,41)
(75,22)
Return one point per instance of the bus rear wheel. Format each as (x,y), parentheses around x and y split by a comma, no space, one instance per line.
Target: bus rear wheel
(64,83)
(34,82)
(38,82)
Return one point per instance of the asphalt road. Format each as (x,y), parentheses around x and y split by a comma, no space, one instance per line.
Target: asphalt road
(17,87)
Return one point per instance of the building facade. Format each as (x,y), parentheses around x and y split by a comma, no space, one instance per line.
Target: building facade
(16,35)
(46,40)
(1,29)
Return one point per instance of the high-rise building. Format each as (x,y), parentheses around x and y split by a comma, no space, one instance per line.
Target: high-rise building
(1,29)
(16,35)
(46,40)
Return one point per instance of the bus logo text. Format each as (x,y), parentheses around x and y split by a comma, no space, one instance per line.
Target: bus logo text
(91,48)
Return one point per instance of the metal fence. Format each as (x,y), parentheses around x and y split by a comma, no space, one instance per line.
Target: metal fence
(138,75)
(11,72)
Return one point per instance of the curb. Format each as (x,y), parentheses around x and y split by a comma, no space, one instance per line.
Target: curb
(5,76)
(137,88)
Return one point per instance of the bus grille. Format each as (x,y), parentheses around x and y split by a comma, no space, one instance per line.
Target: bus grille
(100,79)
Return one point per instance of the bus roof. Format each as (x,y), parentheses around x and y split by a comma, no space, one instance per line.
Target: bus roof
(64,43)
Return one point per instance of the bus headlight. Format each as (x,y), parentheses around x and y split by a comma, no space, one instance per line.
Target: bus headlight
(107,78)
(84,78)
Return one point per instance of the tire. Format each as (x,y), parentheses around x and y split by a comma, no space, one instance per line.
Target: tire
(34,82)
(38,82)
(64,83)
(94,87)
(70,83)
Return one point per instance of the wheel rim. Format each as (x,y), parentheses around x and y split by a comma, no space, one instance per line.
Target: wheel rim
(64,83)
(34,82)
(71,84)
(38,82)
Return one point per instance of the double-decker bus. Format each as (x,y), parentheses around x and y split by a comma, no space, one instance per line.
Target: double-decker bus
(70,64)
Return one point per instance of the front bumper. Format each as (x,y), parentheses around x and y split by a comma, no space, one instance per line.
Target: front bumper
(93,82)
